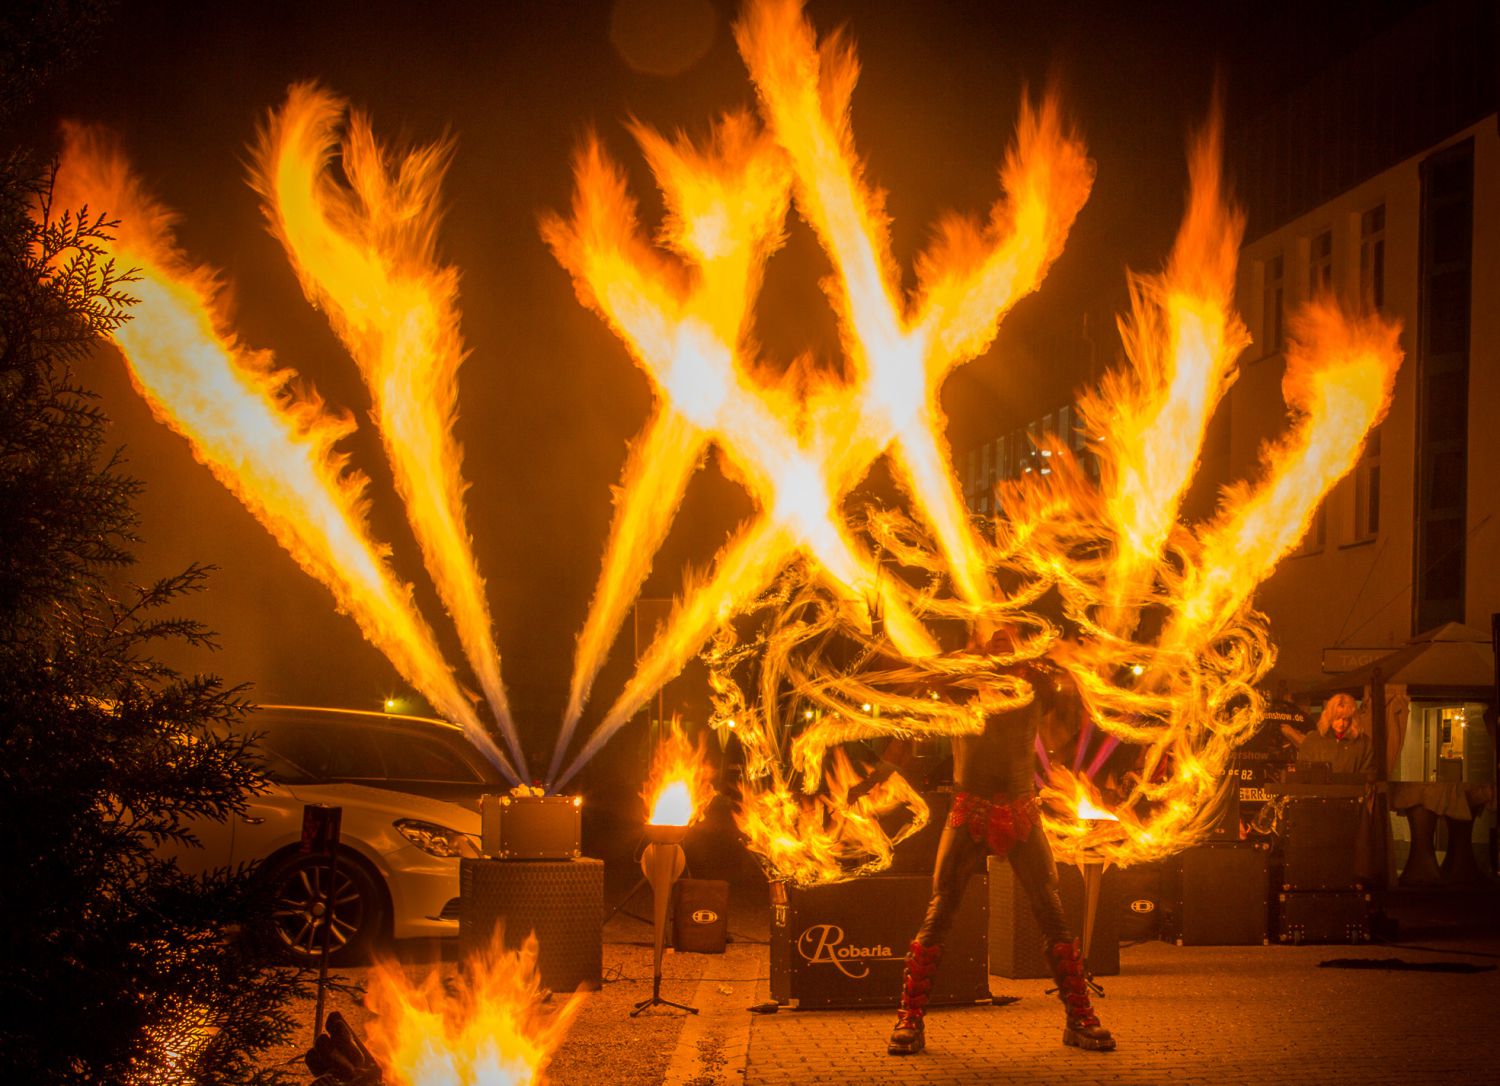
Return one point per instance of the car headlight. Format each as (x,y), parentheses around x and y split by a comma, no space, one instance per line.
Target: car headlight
(437,840)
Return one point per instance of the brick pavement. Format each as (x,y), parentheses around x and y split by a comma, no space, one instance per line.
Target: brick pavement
(1221,1015)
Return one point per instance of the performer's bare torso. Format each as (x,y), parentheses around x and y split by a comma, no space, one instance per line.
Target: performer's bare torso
(1001,759)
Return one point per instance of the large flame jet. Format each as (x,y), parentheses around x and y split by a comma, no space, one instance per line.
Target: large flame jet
(366,257)
(799,445)
(1113,550)
(273,448)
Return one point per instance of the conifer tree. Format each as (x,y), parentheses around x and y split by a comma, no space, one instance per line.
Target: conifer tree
(115,967)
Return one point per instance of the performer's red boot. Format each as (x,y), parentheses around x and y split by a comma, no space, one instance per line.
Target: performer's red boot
(1083,1029)
(907,1038)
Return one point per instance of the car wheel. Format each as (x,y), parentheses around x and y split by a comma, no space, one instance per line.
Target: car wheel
(299,886)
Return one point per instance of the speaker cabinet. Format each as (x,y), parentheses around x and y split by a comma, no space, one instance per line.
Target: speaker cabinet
(1321,834)
(700,915)
(1222,896)
(1016,944)
(561,900)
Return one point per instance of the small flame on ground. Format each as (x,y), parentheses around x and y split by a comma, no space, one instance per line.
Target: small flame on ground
(492,1030)
(680,785)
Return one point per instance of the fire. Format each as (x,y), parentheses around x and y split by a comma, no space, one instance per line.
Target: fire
(365,257)
(1157,629)
(1181,687)
(492,1030)
(801,443)
(273,446)
(814,839)
(680,785)
(1182,338)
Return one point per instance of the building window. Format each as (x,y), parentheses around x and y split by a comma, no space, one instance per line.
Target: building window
(1320,265)
(1317,534)
(1272,297)
(1444,290)
(1372,258)
(1367,490)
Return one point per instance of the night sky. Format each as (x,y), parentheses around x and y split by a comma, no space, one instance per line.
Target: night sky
(548,396)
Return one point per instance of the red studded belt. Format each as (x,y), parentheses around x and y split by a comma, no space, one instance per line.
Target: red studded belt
(997,821)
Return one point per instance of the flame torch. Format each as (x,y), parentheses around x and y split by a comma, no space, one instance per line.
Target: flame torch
(677,793)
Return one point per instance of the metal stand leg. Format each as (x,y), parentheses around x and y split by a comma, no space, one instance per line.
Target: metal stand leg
(657,1000)
(661,863)
(643,881)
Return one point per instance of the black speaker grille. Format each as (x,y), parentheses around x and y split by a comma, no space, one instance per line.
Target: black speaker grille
(1224,896)
(1320,844)
(561,900)
(1016,949)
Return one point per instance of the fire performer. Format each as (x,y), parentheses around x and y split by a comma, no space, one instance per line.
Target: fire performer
(995,810)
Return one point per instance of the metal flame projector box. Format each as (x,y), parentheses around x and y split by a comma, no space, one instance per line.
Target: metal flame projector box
(1016,940)
(562,901)
(845,945)
(531,827)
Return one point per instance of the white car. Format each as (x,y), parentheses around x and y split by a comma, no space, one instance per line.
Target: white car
(398,859)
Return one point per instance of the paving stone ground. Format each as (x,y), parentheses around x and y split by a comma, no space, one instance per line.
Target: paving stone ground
(1221,1015)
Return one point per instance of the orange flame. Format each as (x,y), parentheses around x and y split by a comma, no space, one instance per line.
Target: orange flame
(680,785)
(493,1029)
(1112,550)
(365,257)
(1183,338)
(813,840)
(273,447)
(799,445)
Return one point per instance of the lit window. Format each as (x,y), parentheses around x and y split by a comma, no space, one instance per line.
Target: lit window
(1272,292)
(1320,265)
(1372,258)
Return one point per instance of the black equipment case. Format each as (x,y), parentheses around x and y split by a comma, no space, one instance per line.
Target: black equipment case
(845,945)
(700,915)
(1222,898)
(1320,843)
(1324,917)
(562,901)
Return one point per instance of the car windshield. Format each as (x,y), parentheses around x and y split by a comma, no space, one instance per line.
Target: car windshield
(325,746)
(411,757)
(279,769)
(323,750)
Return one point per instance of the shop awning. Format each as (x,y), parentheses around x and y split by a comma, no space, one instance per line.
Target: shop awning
(1451,661)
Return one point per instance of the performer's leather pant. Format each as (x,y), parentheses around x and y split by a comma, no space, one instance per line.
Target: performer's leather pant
(960,855)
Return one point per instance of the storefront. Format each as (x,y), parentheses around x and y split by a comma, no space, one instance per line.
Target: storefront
(1438,696)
